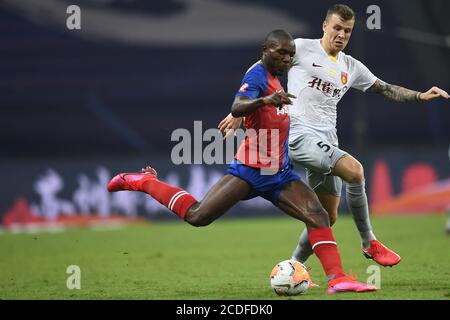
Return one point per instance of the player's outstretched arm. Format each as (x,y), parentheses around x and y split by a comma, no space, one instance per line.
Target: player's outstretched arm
(228,125)
(243,106)
(400,94)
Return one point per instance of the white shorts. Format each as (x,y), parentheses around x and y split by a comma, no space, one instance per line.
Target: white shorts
(318,157)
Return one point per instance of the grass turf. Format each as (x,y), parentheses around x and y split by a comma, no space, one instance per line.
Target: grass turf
(230,259)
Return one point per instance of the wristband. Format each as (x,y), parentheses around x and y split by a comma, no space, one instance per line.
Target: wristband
(418,96)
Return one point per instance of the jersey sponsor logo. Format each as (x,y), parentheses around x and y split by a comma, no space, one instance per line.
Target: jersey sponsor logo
(326,87)
(243,87)
(344,77)
(316,65)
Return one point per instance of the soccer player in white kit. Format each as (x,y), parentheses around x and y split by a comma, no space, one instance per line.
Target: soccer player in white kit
(320,75)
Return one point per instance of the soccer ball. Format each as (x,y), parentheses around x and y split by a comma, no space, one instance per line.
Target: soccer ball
(289,278)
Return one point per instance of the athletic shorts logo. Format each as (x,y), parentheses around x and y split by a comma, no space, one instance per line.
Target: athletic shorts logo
(344,77)
(244,87)
(316,65)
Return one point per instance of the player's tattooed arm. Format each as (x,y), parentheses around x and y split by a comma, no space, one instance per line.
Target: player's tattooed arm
(393,92)
(400,94)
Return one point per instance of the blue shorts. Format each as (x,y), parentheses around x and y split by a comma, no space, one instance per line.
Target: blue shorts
(266,186)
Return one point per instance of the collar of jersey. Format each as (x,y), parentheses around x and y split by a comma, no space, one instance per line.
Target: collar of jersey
(330,57)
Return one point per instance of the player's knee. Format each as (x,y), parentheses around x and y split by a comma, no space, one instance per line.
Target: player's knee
(333,217)
(356,174)
(196,222)
(197,219)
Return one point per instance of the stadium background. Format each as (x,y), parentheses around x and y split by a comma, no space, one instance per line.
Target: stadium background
(80,105)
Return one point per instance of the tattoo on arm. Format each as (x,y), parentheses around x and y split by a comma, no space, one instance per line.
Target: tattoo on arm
(393,92)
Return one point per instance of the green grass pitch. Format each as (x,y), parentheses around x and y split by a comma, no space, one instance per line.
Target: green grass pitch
(230,259)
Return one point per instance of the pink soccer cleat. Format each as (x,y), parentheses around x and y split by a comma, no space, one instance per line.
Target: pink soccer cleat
(345,284)
(381,254)
(132,181)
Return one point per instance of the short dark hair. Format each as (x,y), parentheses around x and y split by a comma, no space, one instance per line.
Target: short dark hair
(275,36)
(342,10)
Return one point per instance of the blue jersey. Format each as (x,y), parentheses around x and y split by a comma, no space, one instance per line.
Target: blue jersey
(266,143)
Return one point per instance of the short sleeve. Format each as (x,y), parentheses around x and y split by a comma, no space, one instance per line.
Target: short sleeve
(364,79)
(298,50)
(254,83)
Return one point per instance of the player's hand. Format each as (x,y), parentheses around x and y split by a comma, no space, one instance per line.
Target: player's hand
(432,94)
(228,125)
(279,99)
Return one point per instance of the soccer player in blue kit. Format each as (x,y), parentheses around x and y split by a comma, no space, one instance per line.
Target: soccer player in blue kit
(261,166)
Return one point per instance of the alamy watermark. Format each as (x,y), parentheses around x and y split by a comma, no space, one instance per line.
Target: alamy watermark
(259,148)
(74,280)
(73,21)
(375,278)
(374,20)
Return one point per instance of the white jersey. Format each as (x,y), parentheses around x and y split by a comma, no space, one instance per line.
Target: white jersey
(319,81)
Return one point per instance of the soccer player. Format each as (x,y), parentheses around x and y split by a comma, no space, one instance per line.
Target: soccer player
(320,75)
(261,99)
